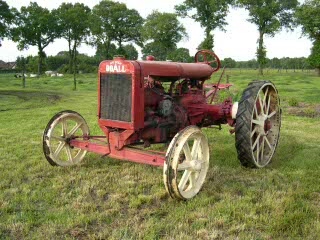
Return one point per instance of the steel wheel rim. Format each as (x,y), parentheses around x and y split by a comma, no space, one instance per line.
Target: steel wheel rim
(70,126)
(189,163)
(265,125)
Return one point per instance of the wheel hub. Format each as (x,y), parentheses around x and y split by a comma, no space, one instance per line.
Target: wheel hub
(263,125)
(195,165)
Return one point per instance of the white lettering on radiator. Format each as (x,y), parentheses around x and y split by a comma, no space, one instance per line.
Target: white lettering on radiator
(115,68)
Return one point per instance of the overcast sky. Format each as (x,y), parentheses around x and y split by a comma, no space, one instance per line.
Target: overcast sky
(238,42)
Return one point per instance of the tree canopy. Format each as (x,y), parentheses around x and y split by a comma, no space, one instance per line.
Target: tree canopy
(35,26)
(211,14)
(6,18)
(269,16)
(114,22)
(180,55)
(308,15)
(73,25)
(161,33)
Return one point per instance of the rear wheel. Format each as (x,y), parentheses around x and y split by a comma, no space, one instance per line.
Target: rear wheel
(258,124)
(63,127)
(187,163)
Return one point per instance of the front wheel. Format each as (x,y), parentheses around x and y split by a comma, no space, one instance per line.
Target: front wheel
(61,129)
(258,124)
(187,163)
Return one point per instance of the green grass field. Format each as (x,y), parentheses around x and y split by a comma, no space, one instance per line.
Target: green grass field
(105,198)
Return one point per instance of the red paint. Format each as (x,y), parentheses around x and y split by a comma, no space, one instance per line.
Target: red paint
(158,112)
(128,154)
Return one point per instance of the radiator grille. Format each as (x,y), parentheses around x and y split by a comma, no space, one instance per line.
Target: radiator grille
(116,97)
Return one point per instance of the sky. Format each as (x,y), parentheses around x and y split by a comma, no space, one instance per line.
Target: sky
(239,41)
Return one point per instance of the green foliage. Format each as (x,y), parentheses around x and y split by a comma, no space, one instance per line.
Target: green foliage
(180,55)
(207,43)
(210,14)
(130,52)
(228,63)
(114,22)
(314,58)
(308,16)
(6,18)
(35,26)
(53,63)
(104,53)
(73,24)
(269,16)
(162,32)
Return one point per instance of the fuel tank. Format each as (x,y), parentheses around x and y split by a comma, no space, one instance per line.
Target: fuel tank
(174,69)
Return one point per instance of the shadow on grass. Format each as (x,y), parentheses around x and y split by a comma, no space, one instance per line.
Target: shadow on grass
(20,100)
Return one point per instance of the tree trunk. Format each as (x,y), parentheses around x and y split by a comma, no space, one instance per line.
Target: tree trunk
(107,49)
(318,71)
(260,52)
(23,73)
(40,62)
(75,66)
(70,70)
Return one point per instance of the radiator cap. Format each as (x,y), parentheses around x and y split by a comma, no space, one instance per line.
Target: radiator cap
(119,57)
(150,58)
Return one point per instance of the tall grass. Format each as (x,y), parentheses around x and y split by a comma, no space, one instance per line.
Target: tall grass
(109,199)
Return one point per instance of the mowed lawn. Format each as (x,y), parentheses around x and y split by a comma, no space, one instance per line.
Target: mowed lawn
(103,198)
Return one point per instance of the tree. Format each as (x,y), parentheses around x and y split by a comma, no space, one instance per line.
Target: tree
(114,22)
(22,66)
(269,16)
(73,24)
(308,15)
(6,18)
(180,55)
(162,32)
(35,26)
(156,49)
(229,63)
(105,54)
(130,52)
(210,14)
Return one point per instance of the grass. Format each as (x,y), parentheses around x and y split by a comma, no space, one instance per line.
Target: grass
(104,198)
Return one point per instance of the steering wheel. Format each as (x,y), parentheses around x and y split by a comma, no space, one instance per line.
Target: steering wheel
(205,54)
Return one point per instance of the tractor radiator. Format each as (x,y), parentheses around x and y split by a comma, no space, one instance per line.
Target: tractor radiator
(116,97)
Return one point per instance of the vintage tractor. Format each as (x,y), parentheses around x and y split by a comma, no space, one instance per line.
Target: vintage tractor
(149,102)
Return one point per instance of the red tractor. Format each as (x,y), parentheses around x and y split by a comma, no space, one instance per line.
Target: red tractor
(149,102)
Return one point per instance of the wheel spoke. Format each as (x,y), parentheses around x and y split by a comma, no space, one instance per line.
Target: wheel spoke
(74,129)
(272,114)
(184,179)
(184,166)
(268,107)
(268,143)
(61,139)
(195,149)
(64,127)
(258,150)
(59,148)
(192,179)
(258,122)
(256,142)
(254,131)
(68,150)
(187,152)
(262,149)
(256,110)
(260,102)
(265,98)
